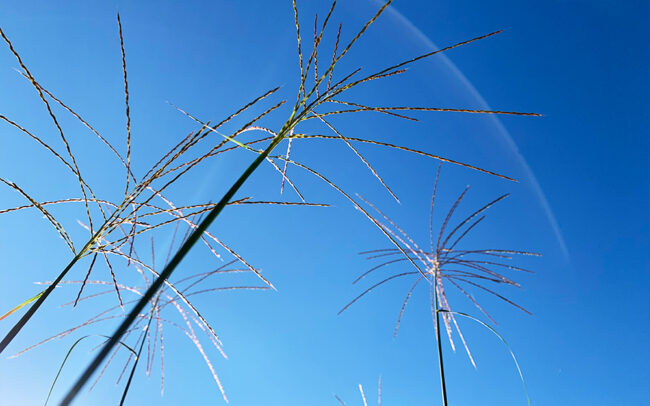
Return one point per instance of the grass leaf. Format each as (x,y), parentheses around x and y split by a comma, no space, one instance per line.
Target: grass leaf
(65,359)
(20,306)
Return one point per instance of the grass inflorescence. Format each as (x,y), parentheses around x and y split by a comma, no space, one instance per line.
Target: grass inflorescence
(443,262)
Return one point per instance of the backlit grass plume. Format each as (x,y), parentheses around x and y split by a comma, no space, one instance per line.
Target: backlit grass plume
(171,309)
(114,223)
(443,263)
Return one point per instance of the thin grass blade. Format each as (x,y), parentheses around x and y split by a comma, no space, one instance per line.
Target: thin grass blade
(512,354)
(20,306)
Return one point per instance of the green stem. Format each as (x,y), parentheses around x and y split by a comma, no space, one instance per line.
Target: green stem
(171,266)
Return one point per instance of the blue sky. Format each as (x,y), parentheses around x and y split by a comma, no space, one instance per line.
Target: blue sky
(581,199)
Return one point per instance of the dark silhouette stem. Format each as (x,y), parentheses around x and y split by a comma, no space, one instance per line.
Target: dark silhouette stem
(443,384)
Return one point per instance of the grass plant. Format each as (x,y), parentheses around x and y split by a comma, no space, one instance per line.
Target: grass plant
(443,262)
(114,223)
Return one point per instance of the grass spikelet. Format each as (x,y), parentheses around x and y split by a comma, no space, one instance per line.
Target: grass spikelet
(57,226)
(127,107)
(82,184)
(385,144)
(90,268)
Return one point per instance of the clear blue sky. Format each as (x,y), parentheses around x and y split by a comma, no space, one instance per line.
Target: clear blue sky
(581,199)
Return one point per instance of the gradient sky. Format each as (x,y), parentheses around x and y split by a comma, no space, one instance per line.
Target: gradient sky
(581,199)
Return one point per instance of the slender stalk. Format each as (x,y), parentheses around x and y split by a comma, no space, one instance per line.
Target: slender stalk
(443,385)
(137,357)
(176,259)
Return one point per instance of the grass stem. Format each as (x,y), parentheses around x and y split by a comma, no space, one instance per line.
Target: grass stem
(443,384)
